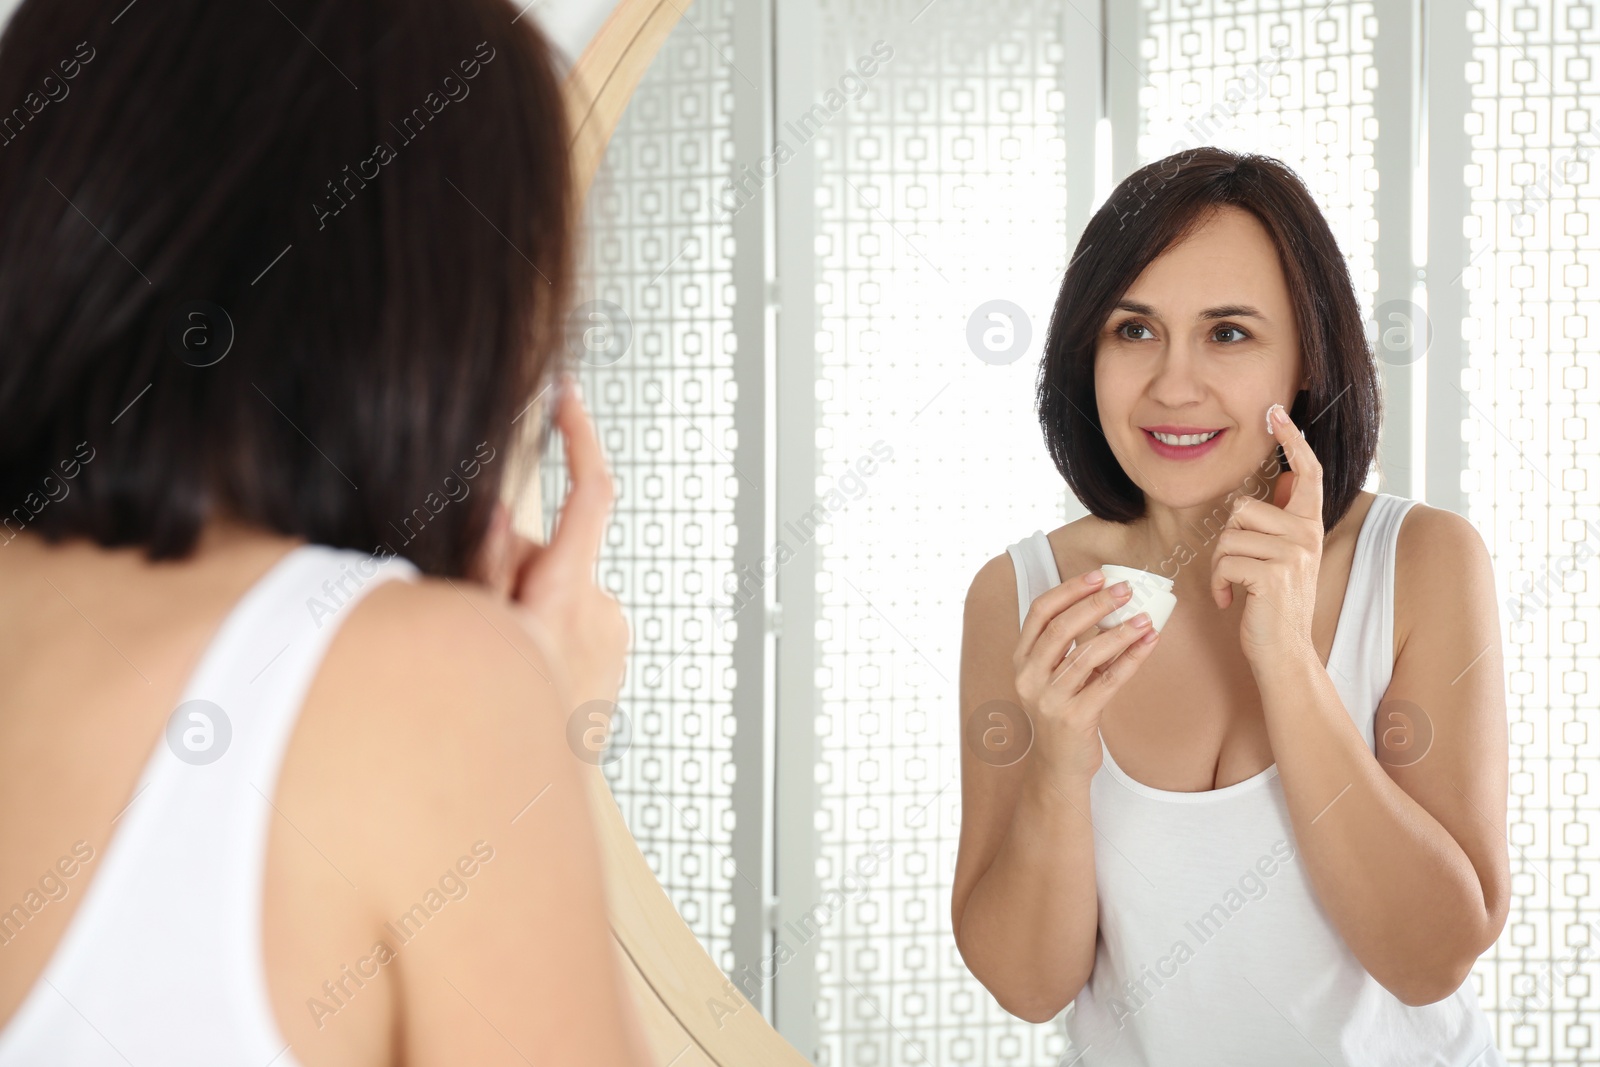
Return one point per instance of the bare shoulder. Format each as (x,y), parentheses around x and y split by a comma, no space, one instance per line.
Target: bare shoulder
(1442,570)
(432,759)
(992,596)
(1437,545)
(441,632)
(1082,545)
(452,677)
(1076,547)
(432,723)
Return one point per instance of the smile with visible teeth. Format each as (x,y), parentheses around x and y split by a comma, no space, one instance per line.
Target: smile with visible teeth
(1184,438)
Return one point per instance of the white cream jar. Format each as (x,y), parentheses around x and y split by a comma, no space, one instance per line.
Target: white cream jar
(1151,593)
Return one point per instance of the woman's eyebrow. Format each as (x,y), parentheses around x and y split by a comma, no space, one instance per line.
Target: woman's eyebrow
(1224,311)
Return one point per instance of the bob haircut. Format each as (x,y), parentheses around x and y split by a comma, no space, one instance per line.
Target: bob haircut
(1153,209)
(300,264)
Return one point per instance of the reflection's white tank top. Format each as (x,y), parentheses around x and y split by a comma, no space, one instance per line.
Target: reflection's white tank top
(1213,950)
(162,961)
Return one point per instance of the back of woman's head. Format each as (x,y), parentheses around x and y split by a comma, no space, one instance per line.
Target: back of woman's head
(299,263)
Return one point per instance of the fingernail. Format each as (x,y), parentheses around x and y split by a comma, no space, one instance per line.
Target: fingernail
(1141,620)
(1121,589)
(1094,578)
(1148,638)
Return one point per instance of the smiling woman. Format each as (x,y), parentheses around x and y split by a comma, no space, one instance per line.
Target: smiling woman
(1309,305)
(1206,377)
(1155,361)
(1317,314)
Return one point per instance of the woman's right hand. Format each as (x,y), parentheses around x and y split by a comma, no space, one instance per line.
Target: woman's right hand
(1067,670)
(580,626)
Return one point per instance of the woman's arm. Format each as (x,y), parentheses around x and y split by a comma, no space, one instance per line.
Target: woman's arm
(1023,907)
(1023,904)
(1407,850)
(471,770)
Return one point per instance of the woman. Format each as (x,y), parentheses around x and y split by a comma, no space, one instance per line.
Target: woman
(1273,831)
(283,772)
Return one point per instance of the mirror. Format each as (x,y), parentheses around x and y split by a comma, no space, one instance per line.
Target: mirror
(825,241)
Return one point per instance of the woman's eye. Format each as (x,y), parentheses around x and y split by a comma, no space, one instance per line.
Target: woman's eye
(1126,327)
(1229,334)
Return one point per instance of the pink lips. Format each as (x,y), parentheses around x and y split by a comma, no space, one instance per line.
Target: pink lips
(1167,451)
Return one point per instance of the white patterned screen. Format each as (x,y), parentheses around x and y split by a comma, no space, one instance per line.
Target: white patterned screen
(1533,387)
(941,189)
(655,361)
(1285,79)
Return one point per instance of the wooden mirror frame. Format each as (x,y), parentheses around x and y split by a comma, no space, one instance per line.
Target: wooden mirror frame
(691,1014)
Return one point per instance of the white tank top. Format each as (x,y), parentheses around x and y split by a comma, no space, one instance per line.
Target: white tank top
(1213,950)
(162,961)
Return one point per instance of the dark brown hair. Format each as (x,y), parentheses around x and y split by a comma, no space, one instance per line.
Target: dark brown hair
(1147,213)
(363,207)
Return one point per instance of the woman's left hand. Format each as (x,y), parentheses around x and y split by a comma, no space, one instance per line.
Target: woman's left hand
(1274,551)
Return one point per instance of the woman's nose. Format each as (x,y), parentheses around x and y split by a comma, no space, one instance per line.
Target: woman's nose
(1177,380)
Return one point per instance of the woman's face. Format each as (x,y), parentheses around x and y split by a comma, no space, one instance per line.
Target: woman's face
(1203,342)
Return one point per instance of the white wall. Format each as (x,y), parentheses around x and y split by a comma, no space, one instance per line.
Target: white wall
(571,23)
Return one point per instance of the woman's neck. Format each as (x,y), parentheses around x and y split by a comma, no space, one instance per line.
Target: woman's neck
(1177,542)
